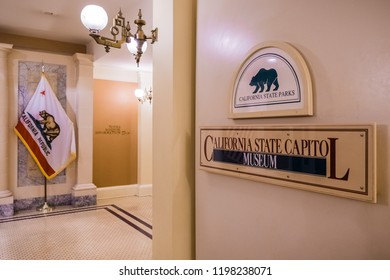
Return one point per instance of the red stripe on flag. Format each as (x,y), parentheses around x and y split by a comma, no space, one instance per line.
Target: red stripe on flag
(33,147)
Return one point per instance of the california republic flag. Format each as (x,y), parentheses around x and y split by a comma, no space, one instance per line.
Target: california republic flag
(46,131)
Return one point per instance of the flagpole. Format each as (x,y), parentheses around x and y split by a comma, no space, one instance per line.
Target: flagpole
(45,207)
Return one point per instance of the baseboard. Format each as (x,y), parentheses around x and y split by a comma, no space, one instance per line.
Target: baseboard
(145,190)
(117,191)
(123,191)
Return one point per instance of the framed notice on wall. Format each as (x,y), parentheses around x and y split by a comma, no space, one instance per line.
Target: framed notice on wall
(336,160)
(273,81)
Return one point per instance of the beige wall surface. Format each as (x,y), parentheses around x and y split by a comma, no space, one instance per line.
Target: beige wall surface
(173,129)
(346,47)
(115,135)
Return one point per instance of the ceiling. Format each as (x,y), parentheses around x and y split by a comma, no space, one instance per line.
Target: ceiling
(60,20)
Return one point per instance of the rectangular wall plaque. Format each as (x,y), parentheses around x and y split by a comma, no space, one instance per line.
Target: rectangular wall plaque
(336,160)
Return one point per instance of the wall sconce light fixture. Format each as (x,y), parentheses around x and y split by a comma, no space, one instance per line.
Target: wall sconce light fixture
(95,19)
(143,95)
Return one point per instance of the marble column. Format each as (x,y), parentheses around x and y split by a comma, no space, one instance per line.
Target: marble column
(6,196)
(84,192)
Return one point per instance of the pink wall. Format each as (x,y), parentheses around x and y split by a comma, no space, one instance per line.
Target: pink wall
(347,50)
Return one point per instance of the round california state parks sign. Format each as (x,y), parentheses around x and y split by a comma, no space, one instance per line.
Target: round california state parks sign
(273,81)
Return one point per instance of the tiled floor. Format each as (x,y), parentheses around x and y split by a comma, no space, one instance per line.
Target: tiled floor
(114,229)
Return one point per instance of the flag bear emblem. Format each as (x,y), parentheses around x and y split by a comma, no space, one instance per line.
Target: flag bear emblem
(50,128)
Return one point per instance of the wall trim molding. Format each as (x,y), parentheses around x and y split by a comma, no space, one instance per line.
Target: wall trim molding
(41,44)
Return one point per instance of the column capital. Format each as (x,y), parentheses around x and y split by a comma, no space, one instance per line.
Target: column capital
(6,47)
(83,59)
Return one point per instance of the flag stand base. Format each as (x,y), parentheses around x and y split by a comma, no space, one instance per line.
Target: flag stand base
(45,208)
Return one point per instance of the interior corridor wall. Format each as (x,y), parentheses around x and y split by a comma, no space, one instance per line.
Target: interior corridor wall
(115,139)
(346,46)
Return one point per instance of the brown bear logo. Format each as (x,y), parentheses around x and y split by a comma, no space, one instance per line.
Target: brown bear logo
(50,128)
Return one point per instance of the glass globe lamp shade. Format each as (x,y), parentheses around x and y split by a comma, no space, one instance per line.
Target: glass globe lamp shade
(132,46)
(94,18)
(139,93)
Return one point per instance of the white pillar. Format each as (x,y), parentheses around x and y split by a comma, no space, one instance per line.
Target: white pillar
(6,197)
(84,192)
(173,129)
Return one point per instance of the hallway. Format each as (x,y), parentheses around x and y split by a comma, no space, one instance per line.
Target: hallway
(114,229)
